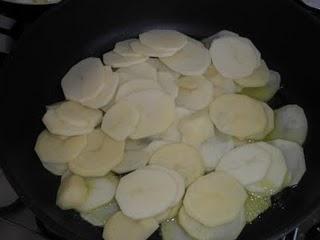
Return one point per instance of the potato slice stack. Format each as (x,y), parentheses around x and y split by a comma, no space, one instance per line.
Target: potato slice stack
(167,127)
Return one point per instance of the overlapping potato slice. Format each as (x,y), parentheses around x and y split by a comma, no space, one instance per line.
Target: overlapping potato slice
(117,61)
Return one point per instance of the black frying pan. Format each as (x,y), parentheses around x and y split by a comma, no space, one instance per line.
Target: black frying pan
(289,41)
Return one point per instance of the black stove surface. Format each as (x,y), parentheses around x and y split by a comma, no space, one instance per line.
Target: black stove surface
(17,222)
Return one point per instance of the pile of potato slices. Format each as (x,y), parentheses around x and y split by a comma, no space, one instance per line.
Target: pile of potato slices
(171,132)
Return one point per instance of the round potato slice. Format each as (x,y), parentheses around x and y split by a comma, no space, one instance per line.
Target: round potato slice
(192,59)
(270,123)
(124,49)
(156,111)
(155,145)
(168,84)
(234,57)
(145,50)
(117,61)
(258,78)
(161,67)
(84,80)
(238,115)
(146,192)
(214,199)
(99,157)
(141,71)
(56,149)
(223,33)
(199,96)
(182,158)
(132,160)
(56,168)
(107,93)
(163,40)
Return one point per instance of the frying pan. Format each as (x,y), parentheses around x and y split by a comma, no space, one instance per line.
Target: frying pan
(287,37)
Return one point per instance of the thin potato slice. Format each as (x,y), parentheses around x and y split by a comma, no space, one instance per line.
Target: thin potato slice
(137,144)
(124,49)
(99,157)
(141,71)
(214,199)
(192,59)
(120,227)
(56,168)
(197,98)
(161,67)
(168,84)
(145,50)
(270,123)
(117,61)
(238,115)
(58,150)
(133,159)
(155,145)
(223,33)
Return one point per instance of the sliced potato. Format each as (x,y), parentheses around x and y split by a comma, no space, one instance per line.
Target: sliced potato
(168,214)
(146,192)
(266,92)
(156,111)
(196,128)
(214,199)
(116,60)
(198,97)
(55,149)
(192,59)
(124,49)
(107,93)
(167,82)
(227,231)
(161,67)
(182,158)
(171,230)
(100,192)
(258,78)
(155,145)
(137,144)
(99,157)
(290,124)
(72,192)
(255,205)
(234,57)
(222,85)
(163,40)
(248,163)
(238,115)
(295,159)
(56,168)
(145,50)
(84,80)
(214,148)
(132,160)
(99,216)
(120,226)
(141,71)
(223,33)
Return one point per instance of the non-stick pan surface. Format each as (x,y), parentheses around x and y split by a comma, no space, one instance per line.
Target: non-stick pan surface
(288,39)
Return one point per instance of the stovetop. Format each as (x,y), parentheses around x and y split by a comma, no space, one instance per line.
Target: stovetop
(16,220)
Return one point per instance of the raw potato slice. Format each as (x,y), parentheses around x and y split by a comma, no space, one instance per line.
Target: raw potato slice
(234,57)
(133,159)
(107,93)
(163,40)
(144,50)
(227,231)
(197,98)
(196,128)
(258,78)
(161,67)
(137,144)
(273,181)
(146,192)
(214,199)
(120,120)
(135,86)
(167,82)
(116,60)
(76,114)
(248,164)
(214,148)
(270,123)
(169,214)
(172,133)
(124,49)
(238,115)
(171,230)
(99,216)
(182,158)
(255,205)
(141,71)
(290,124)
(222,85)
(55,168)
(223,33)
(84,80)
(192,59)
(266,92)
(121,227)
(100,192)
(156,111)
(99,157)
(155,145)
(294,157)
(56,149)
(72,192)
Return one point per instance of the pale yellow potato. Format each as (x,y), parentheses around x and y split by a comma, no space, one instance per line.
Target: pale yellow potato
(117,61)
